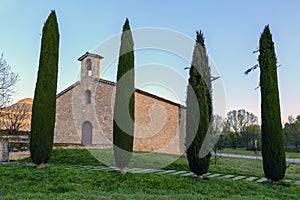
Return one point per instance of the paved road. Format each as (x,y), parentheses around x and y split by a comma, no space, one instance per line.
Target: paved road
(288,160)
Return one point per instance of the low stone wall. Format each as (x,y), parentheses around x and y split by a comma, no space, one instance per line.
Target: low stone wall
(1,147)
(14,147)
(18,155)
(4,150)
(80,146)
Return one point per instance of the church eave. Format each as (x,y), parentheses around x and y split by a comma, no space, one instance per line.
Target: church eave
(67,89)
(145,93)
(90,55)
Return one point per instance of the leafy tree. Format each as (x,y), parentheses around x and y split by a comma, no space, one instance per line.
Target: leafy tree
(216,131)
(292,134)
(16,116)
(123,125)
(273,154)
(198,162)
(229,135)
(8,80)
(217,126)
(291,119)
(298,119)
(233,139)
(252,138)
(239,120)
(44,103)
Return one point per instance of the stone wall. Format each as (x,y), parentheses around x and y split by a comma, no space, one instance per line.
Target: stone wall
(65,131)
(14,148)
(72,112)
(18,155)
(1,149)
(104,100)
(159,123)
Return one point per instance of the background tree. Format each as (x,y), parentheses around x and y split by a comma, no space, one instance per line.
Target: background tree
(230,135)
(123,125)
(233,139)
(239,120)
(252,138)
(16,117)
(292,134)
(44,103)
(8,80)
(273,154)
(217,136)
(198,163)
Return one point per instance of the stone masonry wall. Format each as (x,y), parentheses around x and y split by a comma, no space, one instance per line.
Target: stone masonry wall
(156,125)
(159,124)
(104,105)
(65,131)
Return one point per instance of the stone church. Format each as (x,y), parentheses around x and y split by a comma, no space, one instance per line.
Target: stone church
(84,114)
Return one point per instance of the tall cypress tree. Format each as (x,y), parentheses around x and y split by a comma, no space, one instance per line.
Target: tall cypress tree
(273,153)
(197,113)
(123,126)
(44,103)
(206,73)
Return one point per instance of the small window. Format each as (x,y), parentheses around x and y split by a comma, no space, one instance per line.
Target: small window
(88,95)
(89,66)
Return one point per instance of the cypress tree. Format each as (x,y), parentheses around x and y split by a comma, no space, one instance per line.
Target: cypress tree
(123,125)
(273,153)
(44,103)
(197,113)
(206,73)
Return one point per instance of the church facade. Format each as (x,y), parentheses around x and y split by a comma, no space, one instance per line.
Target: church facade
(84,114)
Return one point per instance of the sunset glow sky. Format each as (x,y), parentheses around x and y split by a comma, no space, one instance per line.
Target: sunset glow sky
(231,27)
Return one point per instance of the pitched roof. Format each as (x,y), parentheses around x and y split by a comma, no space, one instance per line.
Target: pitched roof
(144,93)
(114,84)
(67,89)
(90,55)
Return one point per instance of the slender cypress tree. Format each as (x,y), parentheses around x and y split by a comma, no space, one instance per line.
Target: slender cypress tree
(273,153)
(197,114)
(123,126)
(44,103)
(206,73)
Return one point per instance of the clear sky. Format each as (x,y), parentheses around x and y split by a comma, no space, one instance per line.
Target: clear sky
(231,27)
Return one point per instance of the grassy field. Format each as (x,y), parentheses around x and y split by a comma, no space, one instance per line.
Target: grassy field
(224,165)
(56,182)
(251,153)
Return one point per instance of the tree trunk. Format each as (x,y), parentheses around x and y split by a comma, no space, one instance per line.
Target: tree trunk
(200,176)
(123,171)
(41,166)
(274,182)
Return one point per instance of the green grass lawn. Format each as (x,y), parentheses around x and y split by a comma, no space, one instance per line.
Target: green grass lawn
(236,166)
(251,153)
(233,166)
(56,182)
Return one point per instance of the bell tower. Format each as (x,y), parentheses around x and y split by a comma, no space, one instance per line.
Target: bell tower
(90,65)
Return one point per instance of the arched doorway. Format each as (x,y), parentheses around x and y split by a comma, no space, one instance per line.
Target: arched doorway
(87,133)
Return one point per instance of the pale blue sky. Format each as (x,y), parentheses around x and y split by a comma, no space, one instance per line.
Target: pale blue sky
(231,27)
